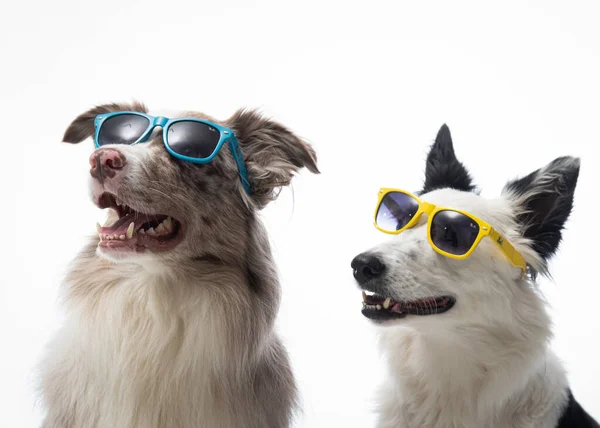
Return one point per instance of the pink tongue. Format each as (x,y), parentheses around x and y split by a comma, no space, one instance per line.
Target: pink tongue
(121,225)
(397,308)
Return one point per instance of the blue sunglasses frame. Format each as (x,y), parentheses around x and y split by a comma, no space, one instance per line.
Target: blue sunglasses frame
(226,135)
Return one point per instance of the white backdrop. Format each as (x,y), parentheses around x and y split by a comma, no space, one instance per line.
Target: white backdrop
(367,83)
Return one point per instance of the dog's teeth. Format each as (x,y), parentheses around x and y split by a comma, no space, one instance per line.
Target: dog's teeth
(151,232)
(364,296)
(168,223)
(122,237)
(160,229)
(142,232)
(378,307)
(387,302)
(130,230)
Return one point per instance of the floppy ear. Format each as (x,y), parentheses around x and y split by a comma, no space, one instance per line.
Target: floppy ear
(442,168)
(543,202)
(273,154)
(83,125)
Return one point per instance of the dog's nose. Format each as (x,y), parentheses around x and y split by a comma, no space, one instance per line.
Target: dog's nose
(367,266)
(105,163)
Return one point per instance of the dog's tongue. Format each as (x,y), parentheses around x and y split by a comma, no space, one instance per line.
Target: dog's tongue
(122,224)
(397,308)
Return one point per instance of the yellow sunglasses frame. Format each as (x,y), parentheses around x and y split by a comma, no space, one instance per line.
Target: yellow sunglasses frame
(485,229)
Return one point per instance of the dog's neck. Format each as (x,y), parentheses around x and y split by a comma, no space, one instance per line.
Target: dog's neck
(119,297)
(462,371)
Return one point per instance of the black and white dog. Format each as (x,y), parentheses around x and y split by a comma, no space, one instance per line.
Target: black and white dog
(466,340)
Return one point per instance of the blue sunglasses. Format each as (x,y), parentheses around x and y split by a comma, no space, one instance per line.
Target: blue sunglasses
(188,139)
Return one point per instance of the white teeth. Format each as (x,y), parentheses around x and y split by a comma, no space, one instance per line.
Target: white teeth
(364,296)
(151,232)
(142,232)
(160,229)
(378,307)
(168,223)
(387,302)
(130,230)
(122,237)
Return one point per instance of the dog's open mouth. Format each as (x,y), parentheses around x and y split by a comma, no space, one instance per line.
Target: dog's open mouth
(135,231)
(380,308)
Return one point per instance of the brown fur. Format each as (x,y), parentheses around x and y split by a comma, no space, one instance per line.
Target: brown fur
(184,338)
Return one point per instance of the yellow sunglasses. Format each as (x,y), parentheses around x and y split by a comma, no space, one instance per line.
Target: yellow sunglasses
(452,233)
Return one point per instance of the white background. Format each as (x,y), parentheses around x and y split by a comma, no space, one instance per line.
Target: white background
(367,83)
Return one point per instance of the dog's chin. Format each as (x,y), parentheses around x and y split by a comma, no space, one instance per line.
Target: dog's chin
(133,234)
(383,309)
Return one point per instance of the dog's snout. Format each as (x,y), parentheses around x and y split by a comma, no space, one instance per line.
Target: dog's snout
(367,266)
(105,163)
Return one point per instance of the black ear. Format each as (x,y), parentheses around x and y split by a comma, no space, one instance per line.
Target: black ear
(544,200)
(83,125)
(442,168)
(273,154)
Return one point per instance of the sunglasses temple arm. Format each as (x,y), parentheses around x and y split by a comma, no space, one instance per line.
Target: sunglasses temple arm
(509,251)
(239,160)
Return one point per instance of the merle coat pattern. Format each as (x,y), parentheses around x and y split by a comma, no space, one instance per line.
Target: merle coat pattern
(184,337)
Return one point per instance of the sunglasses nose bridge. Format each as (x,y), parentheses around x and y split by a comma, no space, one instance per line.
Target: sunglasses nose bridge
(427,208)
(160,121)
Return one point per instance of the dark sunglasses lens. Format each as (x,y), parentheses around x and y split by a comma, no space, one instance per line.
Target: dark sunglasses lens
(453,232)
(193,139)
(122,129)
(395,211)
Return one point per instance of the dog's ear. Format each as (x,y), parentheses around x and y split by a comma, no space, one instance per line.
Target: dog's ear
(543,201)
(83,125)
(442,169)
(272,154)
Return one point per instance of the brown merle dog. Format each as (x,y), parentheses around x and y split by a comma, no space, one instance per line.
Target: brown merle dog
(175,328)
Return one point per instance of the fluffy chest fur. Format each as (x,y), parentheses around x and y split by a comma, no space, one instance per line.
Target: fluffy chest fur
(141,349)
(430,387)
(129,357)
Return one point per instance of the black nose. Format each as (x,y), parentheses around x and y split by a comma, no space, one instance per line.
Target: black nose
(366,267)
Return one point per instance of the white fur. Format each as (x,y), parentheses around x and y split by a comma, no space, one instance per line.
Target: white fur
(486,362)
(135,341)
